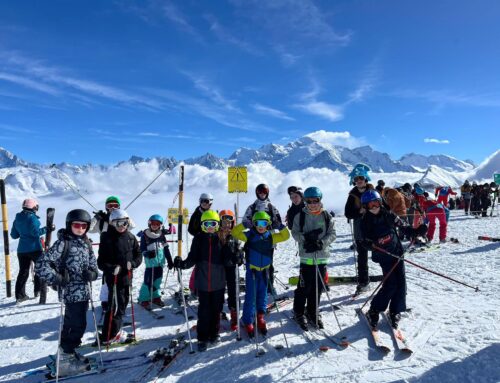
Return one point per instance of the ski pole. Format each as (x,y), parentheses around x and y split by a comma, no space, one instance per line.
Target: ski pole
(257,351)
(238,337)
(112,310)
(316,297)
(95,323)
(179,276)
(166,279)
(354,249)
(280,282)
(61,319)
(326,291)
(131,280)
(281,322)
(425,269)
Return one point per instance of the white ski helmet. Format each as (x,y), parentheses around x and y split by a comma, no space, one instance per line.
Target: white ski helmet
(208,196)
(118,214)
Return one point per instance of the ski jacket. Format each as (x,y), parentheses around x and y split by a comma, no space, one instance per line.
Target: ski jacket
(206,253)
(230,249)
(292,212)
(352,209)
(380,229)
(259,248)
(322,221)
(194,226)
(466,191)
(157,243)
(262,205)
(116,249)
(26,227)
(73,254)
(396,201)
(443,193)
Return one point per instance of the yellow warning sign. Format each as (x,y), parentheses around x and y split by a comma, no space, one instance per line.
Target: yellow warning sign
(237,179)
(173,216)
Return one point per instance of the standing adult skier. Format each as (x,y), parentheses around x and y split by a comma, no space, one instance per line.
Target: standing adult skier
(297,197)
(206,200)
(466,192)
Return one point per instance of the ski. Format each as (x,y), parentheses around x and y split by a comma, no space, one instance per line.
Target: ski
(374,332)
(153,313)
(400,338)
(280,302)
(491,239)
(95,359)
(339,280)
(50,221)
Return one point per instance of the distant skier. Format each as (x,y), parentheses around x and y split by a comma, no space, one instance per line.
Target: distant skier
(26,227)
(314,230)
(70,264)
(442,194)
(206,200)
(378,228)
(155,250)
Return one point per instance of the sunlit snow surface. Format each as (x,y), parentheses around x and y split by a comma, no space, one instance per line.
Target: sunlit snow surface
(454,331)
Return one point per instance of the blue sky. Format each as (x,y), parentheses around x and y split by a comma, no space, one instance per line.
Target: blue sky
(99,81)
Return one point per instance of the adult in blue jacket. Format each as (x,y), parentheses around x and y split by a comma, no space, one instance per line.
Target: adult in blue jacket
(26,228)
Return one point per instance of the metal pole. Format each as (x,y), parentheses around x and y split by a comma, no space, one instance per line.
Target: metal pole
(5,220)
(95,323)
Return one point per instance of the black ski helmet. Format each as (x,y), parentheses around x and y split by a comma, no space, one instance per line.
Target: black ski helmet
(79,215)
(262,188)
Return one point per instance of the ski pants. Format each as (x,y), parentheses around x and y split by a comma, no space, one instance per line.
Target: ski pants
(116,310)
(466,205)
(103,296)
(393,291)
(152,282)
(255,294)
(231,287)
(475,206)
(209,308)
(432,216)
(25,260)
(306,290)
(362,264)
(74,325)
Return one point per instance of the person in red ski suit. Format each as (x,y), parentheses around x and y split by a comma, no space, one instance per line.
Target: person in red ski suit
(435,211)
(442,194)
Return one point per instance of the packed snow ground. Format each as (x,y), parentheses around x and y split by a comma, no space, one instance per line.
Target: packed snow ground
(454,331)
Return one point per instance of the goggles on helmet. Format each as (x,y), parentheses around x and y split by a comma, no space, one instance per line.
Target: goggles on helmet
(121,223)
(112,205)
(227,217)
(312,201)
(208,224)
(155,223)
(359,178)
(261,223)
(79,225)
(373,205)
(209,201)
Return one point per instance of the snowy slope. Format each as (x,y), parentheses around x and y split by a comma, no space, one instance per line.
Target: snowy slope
(455,331)
(487,168)
(421,162)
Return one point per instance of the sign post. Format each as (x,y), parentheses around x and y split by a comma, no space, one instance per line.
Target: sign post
(237,182)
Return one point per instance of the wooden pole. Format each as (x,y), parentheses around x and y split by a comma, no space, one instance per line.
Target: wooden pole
(5,220)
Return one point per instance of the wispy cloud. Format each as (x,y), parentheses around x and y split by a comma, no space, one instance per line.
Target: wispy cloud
(310,104)
(435,141)
(14,129)
(337,138)
(149,134)
(366,85)
(224,35)
(29,83)
(272,112)
(446,97)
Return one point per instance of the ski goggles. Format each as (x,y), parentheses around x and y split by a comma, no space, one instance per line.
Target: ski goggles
(79,225)
(229,218)
(155,223)
(261,223)
(312,201)
(121,223)
(373,205)
(359,178)
(208,224)
(209,201)
(112,205)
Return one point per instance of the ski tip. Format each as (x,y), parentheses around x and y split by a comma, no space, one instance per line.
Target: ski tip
(324,348)
(384,349)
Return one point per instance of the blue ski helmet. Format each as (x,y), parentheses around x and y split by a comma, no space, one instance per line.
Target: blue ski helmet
(155,217)
(370,195)
(313,192)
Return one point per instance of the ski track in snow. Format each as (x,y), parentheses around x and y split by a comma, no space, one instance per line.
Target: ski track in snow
(453,331)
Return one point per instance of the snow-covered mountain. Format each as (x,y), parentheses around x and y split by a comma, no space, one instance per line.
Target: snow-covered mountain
(421,162)
(9,160)
(488,167)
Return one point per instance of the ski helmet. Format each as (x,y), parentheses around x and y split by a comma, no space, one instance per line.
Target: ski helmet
(210,215)
(30,204)
(313,192)
(155,217)
(117,215)
(227,213)
(262,188)
(406,187)
(370,195)
(296,190)
(113,198)
(77,215)
(207,196)
(261,215)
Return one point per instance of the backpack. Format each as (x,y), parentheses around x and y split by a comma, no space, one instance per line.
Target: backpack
(271,211)
(324,213)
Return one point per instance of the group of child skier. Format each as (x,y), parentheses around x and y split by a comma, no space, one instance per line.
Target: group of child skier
(70,264)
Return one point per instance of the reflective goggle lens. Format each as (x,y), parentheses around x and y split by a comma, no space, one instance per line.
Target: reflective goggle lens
(311,201)
(207,224)
(155,223)
(373,205)
(121,223)
(261,223)
(112,205)
(227,218)
(206,201)
(79,225)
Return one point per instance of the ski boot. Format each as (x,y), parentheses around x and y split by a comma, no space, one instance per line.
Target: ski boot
(373,317)
(215,339)
(158,302)
(22,299)
(250,330)
(146,305)
(301,321)
(395,318)
(234,320)
(361,288)
(312,320)
(202,346)
(261,324)
(442,240)
(70,365)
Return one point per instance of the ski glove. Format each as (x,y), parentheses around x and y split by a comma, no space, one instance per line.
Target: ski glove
(178,264)
(62,279)
(313,246)
(100,215)
(89,275)
(150,254)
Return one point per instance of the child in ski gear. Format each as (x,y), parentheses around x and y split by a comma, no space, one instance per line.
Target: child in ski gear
(262,203)
(231,252)
(206,200)
(26,227)
(354,210)
(442,194)
(155,250)
(378,228)
(313,229)
(297,198)
(259,246)
(435,211)
(70,264)
(119,253)
(210,280)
